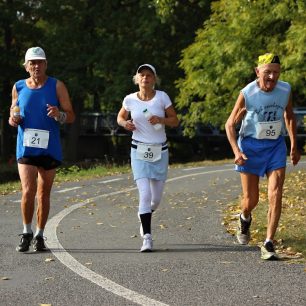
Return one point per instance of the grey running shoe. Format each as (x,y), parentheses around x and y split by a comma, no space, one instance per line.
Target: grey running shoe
(268,252)
(243,231)
(25,242)
(39,244)
(147,245)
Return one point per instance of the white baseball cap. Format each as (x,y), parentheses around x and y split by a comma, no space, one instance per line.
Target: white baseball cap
(146,66)
(34,53)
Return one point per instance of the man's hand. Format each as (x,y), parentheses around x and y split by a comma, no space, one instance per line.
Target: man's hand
(295,156)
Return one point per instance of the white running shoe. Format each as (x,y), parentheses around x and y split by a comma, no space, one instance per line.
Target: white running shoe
(147,245)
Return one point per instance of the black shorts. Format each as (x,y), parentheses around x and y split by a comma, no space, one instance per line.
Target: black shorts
(42,161)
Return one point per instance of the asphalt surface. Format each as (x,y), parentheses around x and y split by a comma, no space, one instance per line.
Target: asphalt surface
(93,235)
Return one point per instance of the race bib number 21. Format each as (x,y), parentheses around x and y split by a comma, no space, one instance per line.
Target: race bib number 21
(36,138)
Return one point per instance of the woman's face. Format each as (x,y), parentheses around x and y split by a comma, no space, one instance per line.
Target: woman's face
(267,76)
(146,78)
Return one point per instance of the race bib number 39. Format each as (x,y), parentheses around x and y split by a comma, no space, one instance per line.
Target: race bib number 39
(36,138)
(268,130)
(150,153)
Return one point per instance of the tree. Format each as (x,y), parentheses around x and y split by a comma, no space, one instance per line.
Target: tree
(220,61)
(17,31)
(95,47)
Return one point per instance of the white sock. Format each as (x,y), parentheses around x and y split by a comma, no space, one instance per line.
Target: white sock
(268,240)
(27,228)
(39,232)
(248,219)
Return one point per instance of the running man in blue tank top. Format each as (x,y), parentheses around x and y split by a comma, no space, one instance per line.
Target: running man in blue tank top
(265,108)
(39,104)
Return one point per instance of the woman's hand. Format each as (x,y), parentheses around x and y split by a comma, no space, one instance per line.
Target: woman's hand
(129,125)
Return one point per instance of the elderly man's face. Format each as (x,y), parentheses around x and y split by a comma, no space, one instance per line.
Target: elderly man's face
(268,75)
(36,68)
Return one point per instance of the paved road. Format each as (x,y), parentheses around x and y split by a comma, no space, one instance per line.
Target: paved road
(95,260)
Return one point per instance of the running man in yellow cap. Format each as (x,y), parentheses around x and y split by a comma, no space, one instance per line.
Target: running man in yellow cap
(265,108)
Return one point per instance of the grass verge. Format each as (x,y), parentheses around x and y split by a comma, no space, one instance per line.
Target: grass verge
(291,232)
(65,174)
(76,173)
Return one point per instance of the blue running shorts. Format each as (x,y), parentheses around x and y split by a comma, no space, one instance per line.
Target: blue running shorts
(157,170)
(264,155)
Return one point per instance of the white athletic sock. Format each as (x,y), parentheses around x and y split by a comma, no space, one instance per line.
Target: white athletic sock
(248,219)
(268,240)
(39,232)
(27,228)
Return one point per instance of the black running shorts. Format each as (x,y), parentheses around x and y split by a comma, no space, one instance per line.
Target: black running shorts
(42,161)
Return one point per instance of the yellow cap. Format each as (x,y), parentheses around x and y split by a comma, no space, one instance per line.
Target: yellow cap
(268,58)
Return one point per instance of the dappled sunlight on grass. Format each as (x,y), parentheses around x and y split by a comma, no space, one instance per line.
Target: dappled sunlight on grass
(291,232)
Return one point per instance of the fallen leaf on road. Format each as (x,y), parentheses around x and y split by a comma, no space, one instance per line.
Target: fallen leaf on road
(4,278)
(133,236)
(49,259)
(49,278)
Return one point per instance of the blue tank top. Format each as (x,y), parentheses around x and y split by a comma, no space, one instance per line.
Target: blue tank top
(264,106)
(33,109)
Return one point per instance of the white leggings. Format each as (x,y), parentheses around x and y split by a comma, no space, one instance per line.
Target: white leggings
(150,194)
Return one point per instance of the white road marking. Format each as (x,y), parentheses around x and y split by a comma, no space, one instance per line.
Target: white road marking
(65,258)
(230,165)
(109,181)
(202,167)
(68,189)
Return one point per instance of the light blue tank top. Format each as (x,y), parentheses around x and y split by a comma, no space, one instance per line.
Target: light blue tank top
(264,106)
(33,109)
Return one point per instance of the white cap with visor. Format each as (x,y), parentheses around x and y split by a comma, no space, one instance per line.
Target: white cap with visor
(146,66)
(34,53)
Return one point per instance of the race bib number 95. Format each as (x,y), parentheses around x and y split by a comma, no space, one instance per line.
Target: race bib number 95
(36,138)
(147,152)
(268,130)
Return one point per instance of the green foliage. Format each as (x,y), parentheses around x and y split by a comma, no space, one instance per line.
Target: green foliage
(94,47)
(170,9)
(220,62)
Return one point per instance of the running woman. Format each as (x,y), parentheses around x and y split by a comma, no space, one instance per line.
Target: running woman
(150,111)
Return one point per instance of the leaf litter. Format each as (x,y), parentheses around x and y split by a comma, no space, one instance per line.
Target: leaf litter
(291,248)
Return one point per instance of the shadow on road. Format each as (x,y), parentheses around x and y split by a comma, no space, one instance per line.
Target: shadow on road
(169,248)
